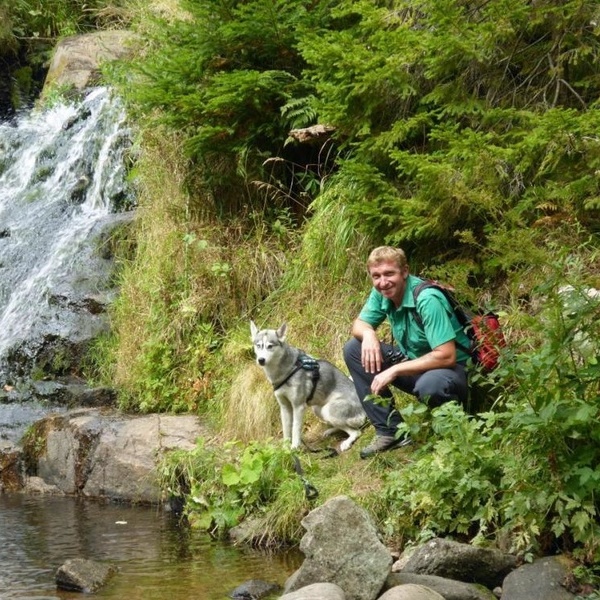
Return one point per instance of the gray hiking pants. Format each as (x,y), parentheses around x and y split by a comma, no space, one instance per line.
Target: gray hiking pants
(432,387)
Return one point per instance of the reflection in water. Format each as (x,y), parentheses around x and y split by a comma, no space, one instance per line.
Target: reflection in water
(156,558)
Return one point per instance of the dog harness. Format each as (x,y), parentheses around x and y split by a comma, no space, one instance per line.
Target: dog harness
(308,363)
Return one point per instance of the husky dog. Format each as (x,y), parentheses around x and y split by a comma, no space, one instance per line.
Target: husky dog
(299,381)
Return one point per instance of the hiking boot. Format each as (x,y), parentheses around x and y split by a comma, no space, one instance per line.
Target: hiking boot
(383,443)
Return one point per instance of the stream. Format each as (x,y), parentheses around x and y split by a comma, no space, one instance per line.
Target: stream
(156,557)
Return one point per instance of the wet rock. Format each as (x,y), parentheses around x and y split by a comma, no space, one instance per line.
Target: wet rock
(77,195)
(453,560)
(17,418)
(36,485)
(10,470)
(102,453)
(541,580)
(77,59)
(253,590)
(81,575)
(72,393)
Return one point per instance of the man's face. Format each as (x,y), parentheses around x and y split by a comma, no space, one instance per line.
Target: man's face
(389,280)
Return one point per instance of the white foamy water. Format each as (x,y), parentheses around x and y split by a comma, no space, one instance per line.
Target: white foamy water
(61,172)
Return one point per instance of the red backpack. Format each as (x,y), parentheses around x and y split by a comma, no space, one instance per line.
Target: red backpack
(484,329)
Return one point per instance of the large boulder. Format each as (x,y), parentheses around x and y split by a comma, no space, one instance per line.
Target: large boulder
(541,580)
(341,546)
(105,454)
(446,558)
(77,59)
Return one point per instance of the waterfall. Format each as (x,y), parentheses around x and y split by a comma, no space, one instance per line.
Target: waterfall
(63,186)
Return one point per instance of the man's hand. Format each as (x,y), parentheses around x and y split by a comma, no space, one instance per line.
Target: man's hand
(371,357)
(383,379)
(441,357)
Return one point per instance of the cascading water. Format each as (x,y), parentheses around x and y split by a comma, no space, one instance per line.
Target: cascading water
(62,188)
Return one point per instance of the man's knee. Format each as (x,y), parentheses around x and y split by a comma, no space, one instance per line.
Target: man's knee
(434,389)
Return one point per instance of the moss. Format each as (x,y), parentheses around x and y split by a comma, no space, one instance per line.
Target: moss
(34,445)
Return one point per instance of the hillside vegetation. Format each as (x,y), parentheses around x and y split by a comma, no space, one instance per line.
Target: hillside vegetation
(464,131)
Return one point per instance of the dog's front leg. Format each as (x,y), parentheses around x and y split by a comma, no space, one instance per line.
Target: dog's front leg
(285,410)
(297,425)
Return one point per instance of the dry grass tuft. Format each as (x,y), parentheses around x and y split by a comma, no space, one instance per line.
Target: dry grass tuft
(252,413)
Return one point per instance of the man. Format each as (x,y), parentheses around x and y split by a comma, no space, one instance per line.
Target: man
(427,337)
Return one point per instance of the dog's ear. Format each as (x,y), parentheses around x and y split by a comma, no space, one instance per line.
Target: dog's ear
(281,332)
(253,329)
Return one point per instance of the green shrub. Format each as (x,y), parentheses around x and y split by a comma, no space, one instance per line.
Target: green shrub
(224,486)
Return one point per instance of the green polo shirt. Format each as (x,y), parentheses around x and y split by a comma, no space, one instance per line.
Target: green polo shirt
(439,323)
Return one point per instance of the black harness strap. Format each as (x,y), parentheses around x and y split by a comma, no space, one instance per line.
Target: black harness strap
(296,368)
(308,364)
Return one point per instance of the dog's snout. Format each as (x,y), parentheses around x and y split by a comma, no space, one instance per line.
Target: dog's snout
(261,361)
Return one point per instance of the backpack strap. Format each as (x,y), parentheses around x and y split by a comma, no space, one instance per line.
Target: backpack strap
(460,314)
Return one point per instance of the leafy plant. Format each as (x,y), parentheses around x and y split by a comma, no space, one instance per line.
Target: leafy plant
(450,486)
(450,136)
(227,485)
(222,77)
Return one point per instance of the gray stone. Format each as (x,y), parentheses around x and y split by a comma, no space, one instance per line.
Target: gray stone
(450,589)
(253,589)
(81,575)
(36,485)
(77,59)
(317,591)
(341,546)
(105,454)
(10,469)
(453,560)
(411,591)
(540,580)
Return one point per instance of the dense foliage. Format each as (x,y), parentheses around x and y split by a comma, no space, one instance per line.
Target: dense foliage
(458,125)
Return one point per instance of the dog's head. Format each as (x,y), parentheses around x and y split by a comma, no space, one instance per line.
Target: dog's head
(267,343)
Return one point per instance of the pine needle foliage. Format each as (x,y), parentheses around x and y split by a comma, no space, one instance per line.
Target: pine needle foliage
(461,119)
(221,78)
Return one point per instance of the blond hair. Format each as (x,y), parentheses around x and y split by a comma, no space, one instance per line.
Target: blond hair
(387,254)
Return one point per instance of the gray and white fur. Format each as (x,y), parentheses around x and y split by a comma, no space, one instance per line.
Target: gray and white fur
(334,399)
